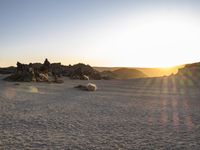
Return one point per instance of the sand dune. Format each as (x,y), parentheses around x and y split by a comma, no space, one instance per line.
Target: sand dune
(121,114)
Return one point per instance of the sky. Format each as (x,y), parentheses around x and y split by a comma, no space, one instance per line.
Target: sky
(123,33)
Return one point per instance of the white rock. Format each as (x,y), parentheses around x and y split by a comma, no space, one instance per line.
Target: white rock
(85,77)
(91,87)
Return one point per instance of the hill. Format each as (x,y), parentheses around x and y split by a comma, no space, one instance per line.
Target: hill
(190,71)
(150,72)
(126,73)
(123,73)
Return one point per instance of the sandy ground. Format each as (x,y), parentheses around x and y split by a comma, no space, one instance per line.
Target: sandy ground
(122,114)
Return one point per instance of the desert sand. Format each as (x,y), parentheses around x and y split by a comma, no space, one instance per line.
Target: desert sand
(121,114)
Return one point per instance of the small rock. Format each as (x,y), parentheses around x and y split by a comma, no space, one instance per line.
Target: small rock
(91,87)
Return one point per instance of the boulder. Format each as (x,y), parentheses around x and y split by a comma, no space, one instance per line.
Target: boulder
(91,87)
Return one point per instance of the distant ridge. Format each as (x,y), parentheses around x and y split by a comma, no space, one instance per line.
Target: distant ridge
(126,73)
(150,72)
(190,71)
(123,73)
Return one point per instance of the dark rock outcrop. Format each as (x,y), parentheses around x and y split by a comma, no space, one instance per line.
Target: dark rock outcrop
(79,71)
(57,69)
(46,67)
(33,73)
(47,72)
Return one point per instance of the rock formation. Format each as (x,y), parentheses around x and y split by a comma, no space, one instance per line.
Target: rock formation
(80,71)
(33,73)
(46,66)
(47,72)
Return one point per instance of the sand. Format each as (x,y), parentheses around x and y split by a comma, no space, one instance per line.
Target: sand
(121,114)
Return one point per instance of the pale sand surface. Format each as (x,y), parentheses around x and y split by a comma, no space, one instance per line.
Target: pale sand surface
(121,114)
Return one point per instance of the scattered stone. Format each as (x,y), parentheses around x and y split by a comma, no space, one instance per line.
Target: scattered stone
(85,77)
(44,77)
(91,87)
(88,87)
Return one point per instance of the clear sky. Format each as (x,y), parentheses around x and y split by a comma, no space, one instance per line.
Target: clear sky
(130,33)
